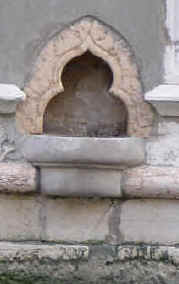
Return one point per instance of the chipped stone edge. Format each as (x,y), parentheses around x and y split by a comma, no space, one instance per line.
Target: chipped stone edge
(10,96)
(165,99)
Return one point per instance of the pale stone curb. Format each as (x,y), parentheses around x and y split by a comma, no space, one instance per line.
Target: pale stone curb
(25,252)
(147,252)
(10,251)
(17,178)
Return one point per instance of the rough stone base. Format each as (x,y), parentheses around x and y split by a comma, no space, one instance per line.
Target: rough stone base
(102,265)
(97,273)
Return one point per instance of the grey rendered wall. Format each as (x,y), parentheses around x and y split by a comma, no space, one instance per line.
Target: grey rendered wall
(25,26)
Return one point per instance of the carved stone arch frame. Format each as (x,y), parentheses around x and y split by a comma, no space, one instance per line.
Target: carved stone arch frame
(86,34)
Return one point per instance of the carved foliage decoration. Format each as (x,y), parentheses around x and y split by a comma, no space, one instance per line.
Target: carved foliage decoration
(87,34)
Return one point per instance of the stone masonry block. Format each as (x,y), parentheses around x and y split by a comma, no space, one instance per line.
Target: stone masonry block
(163,151)
(75,220)
(151,182)
(76,182)
(168,126)
(19,218)
(150,221)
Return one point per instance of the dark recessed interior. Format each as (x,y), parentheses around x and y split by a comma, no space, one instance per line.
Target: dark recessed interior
(86,108)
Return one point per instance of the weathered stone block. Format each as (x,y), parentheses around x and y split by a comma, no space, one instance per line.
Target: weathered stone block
(81,182)
(163,151)
(19,218)
(168,126)
(17,177)
(147,252)
(150,221)
(151,182)
(76,220)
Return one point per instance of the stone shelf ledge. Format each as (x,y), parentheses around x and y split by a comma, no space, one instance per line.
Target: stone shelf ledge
(109,152)
(17,178)
(165,99)
(10,96)
(82,167)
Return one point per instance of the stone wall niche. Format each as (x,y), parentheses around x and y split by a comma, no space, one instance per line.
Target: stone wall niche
(86,108)
(85,112)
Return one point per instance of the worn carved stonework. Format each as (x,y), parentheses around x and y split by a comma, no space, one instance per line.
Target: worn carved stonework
(87,34)
(54,252)
(147,252)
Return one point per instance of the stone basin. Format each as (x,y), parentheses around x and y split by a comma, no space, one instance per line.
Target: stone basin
(82,166)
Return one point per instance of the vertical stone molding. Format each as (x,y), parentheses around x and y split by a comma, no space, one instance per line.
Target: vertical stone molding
(87,34)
